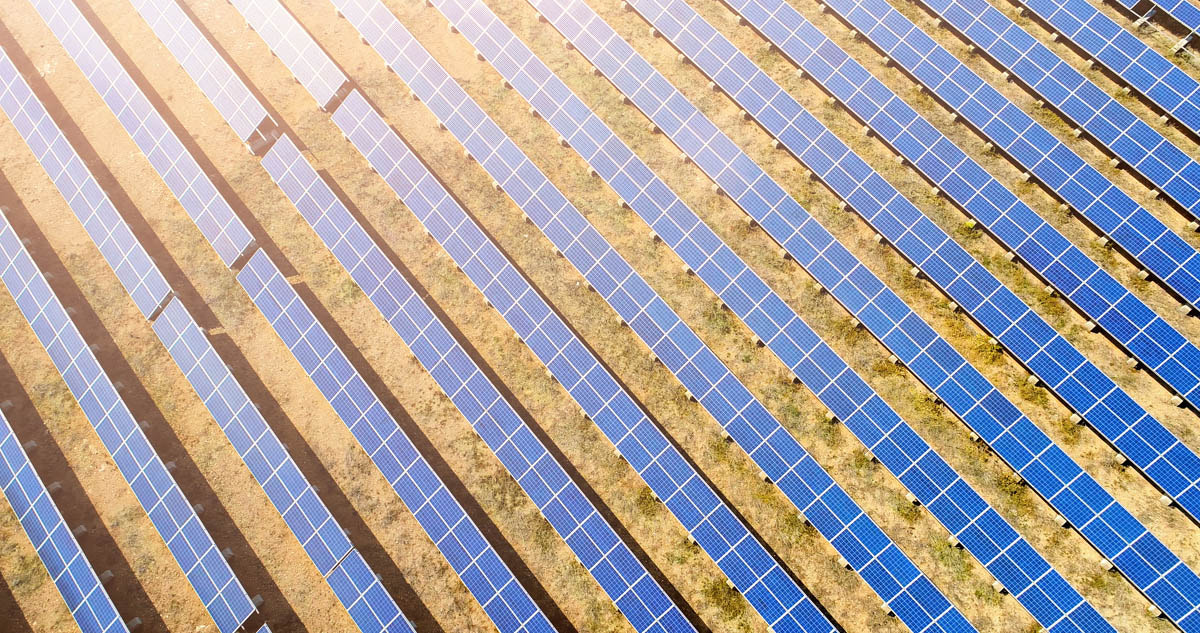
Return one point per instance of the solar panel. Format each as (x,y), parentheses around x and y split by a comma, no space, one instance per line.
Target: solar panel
(134,268)
(1158,79)
(299,52)
(1082,102)
(1146,239)
(232,98)
(773,322)
(169,510)
(353,582)
(178,168)
(594,542)
(717,530)
(469,553)
(56,546)
(1118,418)
(964,390)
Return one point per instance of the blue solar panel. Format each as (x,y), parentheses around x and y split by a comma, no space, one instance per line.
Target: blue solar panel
(299,52)
(134,268)
(1145,238)
(793,341)
(1097,294)
(1144,69)
(169,510)
(931,359)
(354,583)
(1082,102)
(714,526)
(210,71)
(412,478)
(56,546)
(557,496)
(178,169)
(1117,417)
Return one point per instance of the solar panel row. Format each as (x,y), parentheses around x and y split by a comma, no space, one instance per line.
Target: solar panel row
(169,510)
(299,52)
(1158,79)
(353,582)
(137,273)
(56,546)
(717,530)
(1027,449)
(1117,417)
(1031,146)
(257,445)
(970,519)
(594,542)
(916,600)
(489,580)
(232,98)
(178,168)
(1122,133)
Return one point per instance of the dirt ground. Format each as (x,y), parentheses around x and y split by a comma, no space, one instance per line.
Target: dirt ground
(269,562)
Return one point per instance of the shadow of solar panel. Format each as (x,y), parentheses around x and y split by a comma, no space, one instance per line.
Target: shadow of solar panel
(1146,239)
(169,510)
(889,438)
(558,498)
(232,98)
(1158,79)
(737,552)
(1118,418)
(932,360)
(1082,102)
(56,546)
(299,52)
(134,268)
(409,474)
(1183,12)
(178,168)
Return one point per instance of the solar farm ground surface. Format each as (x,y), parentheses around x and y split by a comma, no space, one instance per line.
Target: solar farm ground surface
(147,584)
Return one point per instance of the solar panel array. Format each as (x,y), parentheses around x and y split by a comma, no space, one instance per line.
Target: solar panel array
(885,568)
(1150,242)
(1097,294)
(1117,417)
(1117,129)
(594,542)
(968,517)
(136,271)
(169,510)
(299,52)
(56,546)
(738,553)
(178,168)
(232,98)
(356,586)
(1108,526)
(1157,78)
(409,474)
(258,446)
